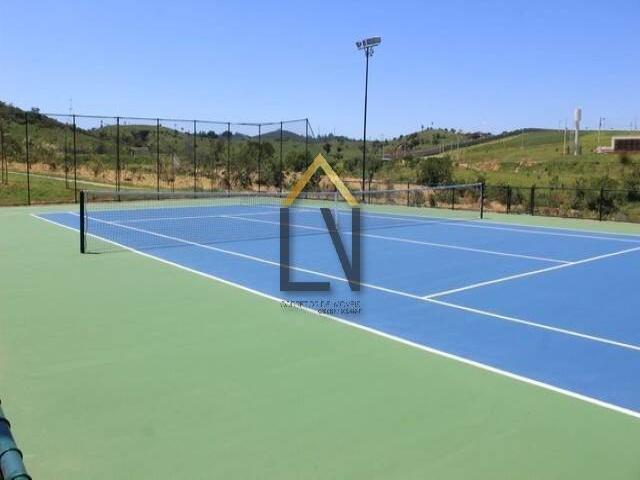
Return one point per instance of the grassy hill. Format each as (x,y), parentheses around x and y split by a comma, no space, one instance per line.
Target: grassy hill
(137,145)
(140,142)
(537,158)
(521,158)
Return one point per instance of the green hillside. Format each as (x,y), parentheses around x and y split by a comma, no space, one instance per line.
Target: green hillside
(536,158)
(137,145)
(140,143)
(170,155)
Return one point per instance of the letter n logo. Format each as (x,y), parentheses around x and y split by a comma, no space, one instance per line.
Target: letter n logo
(351,268)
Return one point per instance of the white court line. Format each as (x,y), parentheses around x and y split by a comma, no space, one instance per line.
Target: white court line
(542,326)
(528,274)
(377,287)
(415,242)
(193,217)
(460,222)
(553,234)
(441,353)
(527,228)
(550,227)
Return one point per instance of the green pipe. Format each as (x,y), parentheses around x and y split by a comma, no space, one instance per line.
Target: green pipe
(11,466)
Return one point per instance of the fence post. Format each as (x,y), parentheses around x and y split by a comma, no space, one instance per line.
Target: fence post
(408,192)
(259,155)
(482,190)
(453,199)
(157,154)
(306,143)
(118,153)
(532,200)
(66,159)
(508,199)
(75,163)
(229,157)
(195,160)
(600,201)
(281,177)
(26,140)
(2,158)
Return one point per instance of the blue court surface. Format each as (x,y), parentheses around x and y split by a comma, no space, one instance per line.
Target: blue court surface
(549,306)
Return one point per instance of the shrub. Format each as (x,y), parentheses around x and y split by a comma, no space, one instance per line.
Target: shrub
(624,159)
(435,171)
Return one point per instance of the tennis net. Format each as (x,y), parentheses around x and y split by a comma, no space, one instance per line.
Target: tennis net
(143,220)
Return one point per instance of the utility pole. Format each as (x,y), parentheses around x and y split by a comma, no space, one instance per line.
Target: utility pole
(600,127)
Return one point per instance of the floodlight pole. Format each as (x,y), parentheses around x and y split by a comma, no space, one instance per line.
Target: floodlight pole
(367,54)
(368,46)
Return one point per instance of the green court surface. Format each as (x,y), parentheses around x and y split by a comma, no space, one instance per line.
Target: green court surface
(119,366)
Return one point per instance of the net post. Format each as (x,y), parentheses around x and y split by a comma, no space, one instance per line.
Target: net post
(83,225)
(508,199)
(453,198)
(482,193)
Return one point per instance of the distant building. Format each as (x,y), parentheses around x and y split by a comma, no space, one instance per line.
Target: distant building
(622,145)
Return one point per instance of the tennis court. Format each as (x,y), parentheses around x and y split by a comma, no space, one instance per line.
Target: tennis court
(526,301)
(481,348)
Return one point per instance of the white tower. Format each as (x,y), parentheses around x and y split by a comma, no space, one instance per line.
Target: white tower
(577,117)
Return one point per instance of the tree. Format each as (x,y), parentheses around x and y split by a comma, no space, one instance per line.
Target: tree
(13,148)
(373,165)
(140,137)
(213,160)
(269,172)
(435,171)
(327,148)
(295,161)
(246,164)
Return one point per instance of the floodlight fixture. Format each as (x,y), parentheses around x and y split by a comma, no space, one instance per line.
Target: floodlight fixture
(368,43)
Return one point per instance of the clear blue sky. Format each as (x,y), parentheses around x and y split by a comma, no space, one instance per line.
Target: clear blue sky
(486,65)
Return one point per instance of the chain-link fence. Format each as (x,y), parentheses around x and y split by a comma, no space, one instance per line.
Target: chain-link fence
(49,158)
(568,202)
